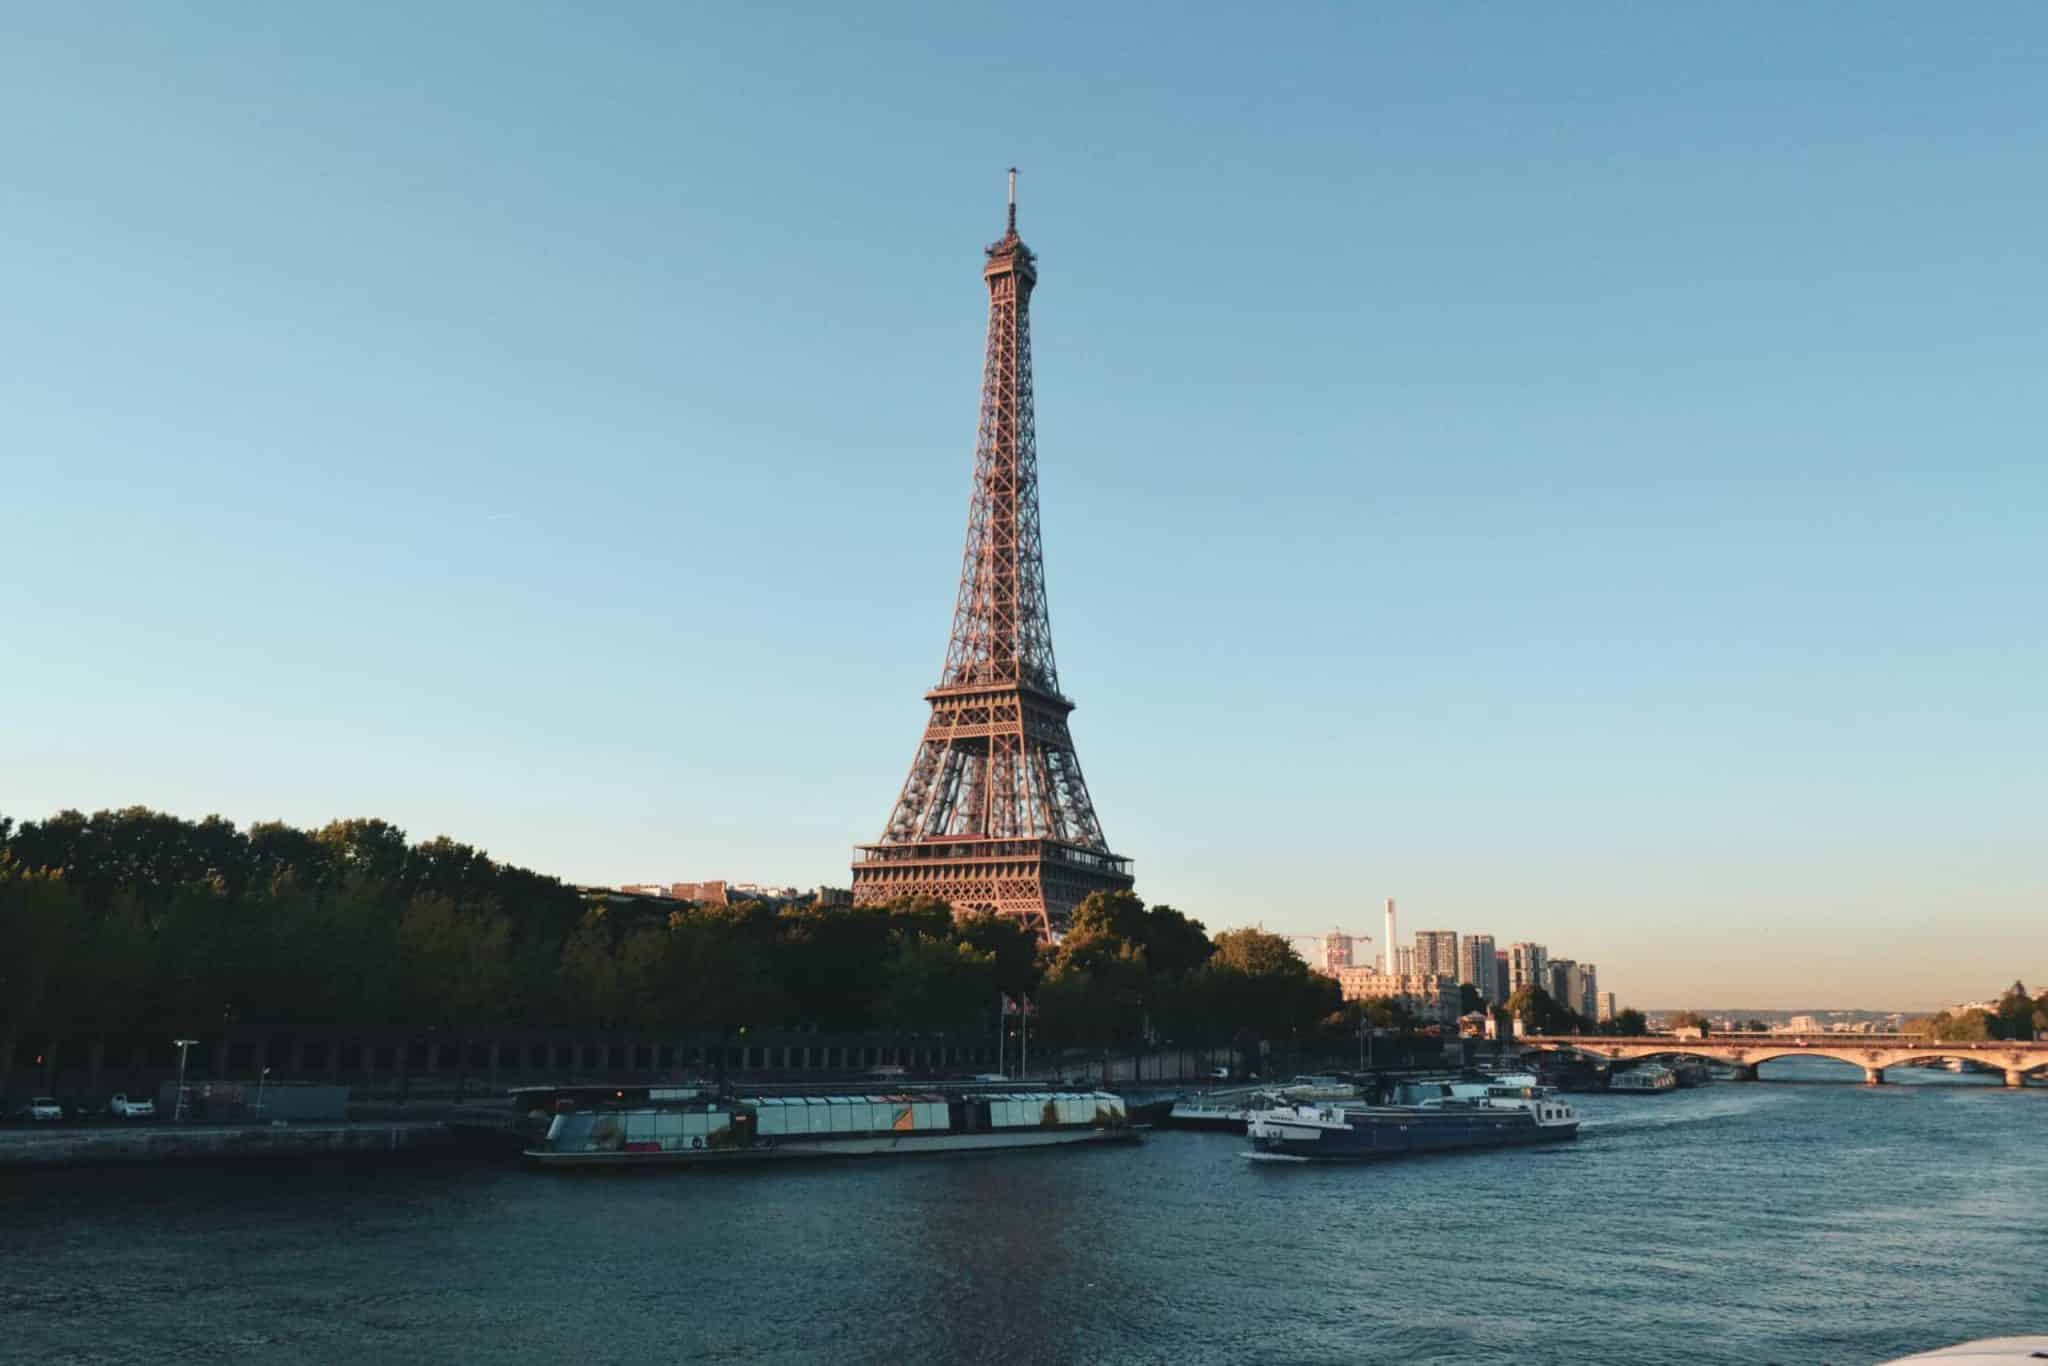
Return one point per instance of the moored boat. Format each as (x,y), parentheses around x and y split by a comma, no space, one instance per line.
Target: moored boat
(1506,1116)
(1433,1091)
(1227,1112)
(1692,1072)
(689,1127)
(1149,1105)
(1648,1078)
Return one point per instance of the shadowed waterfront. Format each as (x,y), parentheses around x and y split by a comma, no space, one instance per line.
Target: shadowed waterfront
(1735,1224)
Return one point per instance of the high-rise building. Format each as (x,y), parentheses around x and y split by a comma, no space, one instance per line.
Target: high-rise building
(1475,965)
(1559,981)
(1605,1010)
(1528,966)
(1404,960)
(1588,1003)
(1437,951)
(1500,973)
(1337,950)
(994,815)
(1387,963)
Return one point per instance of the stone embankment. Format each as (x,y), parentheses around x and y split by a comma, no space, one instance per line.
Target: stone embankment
(158,1143)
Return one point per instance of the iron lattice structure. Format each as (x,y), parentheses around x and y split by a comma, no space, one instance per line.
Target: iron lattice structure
(995,815)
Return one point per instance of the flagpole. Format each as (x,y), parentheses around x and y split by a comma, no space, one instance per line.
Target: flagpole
(1002,1028)
(1024,1067)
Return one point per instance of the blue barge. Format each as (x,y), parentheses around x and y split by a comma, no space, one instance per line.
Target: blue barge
(1506,1116)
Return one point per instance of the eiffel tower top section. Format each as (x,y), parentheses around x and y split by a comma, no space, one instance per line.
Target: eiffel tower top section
(1002,630)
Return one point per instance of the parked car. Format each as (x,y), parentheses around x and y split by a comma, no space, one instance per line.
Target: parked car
(120,1107)
(43,1107)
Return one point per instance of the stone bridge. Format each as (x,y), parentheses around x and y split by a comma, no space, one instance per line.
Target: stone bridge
(1871,1052)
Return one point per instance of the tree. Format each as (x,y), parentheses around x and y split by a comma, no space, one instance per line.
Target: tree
(1971,1026)
(1175,944)
(1012,948)
(1628,1023)
(723,977)
(937,984)
(1469,999)
(371,849)
(1692,1019)
(1259,982)
(2015,1016)
(37,912)
(591,974)
(831,964)
(1541,1014)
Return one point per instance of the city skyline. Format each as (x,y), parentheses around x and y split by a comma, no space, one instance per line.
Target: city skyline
(1655,480)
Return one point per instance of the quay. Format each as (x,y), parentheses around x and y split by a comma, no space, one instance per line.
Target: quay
(1745,1052)
(163,1143)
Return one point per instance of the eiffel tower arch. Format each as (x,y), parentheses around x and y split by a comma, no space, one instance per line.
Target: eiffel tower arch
(995,815)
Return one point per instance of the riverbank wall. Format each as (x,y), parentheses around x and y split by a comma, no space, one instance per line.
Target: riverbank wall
(199,1143)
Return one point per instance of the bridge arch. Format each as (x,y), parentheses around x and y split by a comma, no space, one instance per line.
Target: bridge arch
(1759,1057)
(1745,1055)
(1936,1054)
(1612,1054)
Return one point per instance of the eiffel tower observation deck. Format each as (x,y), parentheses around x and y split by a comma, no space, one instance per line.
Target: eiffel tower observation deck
(994,815)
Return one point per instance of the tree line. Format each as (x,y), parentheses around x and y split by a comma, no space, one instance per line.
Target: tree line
(1541,1013)
(136,923)
(2016,1016)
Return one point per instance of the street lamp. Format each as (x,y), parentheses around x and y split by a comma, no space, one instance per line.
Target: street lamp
(260,1083)
(178,1110)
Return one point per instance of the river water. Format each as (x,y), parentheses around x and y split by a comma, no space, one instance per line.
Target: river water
(1777,1222)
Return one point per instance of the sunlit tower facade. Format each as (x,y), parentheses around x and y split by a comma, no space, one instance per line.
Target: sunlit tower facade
(994,815)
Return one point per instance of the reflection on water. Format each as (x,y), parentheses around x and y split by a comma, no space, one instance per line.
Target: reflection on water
(1731,1224)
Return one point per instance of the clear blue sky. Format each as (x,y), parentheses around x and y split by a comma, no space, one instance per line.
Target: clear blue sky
(1579,472)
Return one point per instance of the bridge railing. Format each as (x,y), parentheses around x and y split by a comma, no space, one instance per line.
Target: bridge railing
(1731,1038)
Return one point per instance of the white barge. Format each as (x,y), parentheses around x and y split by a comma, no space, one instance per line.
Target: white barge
(1648,1079)
(688,1127)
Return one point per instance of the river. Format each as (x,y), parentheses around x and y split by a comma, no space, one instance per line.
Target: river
(1775,1222)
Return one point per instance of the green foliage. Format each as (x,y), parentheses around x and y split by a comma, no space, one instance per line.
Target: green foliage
(1257,981)
(1970,1026)
(134,921)
(1629,1023)
(2017,1016)
(1540,1014)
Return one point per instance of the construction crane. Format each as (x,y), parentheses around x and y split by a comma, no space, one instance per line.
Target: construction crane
(1317,941)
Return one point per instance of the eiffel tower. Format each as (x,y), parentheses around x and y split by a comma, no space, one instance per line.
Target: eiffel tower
(994,815)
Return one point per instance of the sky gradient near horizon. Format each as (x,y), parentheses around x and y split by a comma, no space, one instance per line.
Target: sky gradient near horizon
(1578,473)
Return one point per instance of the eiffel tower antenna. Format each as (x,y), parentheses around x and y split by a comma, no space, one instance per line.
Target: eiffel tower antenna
(994,815)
